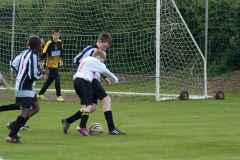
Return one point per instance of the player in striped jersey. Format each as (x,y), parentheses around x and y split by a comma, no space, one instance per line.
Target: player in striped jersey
(13,106)
(104,41)
(89,68)
(53,51)
(26,65)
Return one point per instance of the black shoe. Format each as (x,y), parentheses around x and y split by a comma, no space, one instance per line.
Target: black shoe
(12,139)
(24,127)
(10,127)
(116,131)
(65,125)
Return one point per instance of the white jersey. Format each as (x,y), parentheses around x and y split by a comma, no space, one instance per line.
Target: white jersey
(91,66)
(88,51)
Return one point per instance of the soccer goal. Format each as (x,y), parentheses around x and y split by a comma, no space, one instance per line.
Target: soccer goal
(180,64)
(153,51)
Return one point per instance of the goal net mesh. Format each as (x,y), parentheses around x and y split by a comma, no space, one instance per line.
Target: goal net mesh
(181,61)
(132,56)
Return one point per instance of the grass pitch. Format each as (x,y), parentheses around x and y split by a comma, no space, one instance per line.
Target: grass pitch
(171,130)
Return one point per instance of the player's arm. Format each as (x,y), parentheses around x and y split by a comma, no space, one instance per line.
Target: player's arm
(15,63)
(45,49)
(34,73)
(107,81)
(101,68)
(44,54)
(61,57)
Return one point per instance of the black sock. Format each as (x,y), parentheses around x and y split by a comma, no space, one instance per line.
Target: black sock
(18,124)
(14,122)
(74,117)
(9,107)
(109,119)
(26,121)
(83,123)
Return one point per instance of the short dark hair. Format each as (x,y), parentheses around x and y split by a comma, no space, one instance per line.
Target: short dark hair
(105,37)
(34,42)
(55,30)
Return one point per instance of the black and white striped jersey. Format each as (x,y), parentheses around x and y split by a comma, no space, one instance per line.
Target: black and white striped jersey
(88,51)
(26,66)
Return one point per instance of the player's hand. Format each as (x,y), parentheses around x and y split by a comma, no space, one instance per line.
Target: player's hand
(41,65)
(44,74)
(107,81)
(60,63)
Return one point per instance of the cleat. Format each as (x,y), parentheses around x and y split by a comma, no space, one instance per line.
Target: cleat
(60,99)
(65,126)
(41,96)
(24,127)
(12,139)
(83,131)
(10,126)
(115,131)
(18,135)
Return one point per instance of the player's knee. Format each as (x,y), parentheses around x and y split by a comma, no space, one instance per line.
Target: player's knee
(94,108)
(36,109)
(106,104)
(107,99)
(57,78)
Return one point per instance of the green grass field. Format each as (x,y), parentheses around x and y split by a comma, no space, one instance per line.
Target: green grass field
(170,130)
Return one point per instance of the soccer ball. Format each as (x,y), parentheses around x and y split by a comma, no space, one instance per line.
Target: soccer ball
(96,129)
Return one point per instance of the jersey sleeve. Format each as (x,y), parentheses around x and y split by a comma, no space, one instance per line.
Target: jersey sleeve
(15,63)
(101,68)
(45,49)
(34,73)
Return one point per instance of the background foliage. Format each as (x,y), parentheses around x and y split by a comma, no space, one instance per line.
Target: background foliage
(223,31)
(224,24)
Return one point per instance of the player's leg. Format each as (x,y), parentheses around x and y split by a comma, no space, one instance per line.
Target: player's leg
(21,119)
(9,107)
(99,92)
(86,100)
(58,86)
(66,122)
(50,79)
(83,123)
(34,109)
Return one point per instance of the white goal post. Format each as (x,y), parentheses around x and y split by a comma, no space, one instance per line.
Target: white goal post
(153,51)
(180,64)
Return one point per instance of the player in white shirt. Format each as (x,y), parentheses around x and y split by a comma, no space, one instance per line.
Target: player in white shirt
(89,68)
(98,93)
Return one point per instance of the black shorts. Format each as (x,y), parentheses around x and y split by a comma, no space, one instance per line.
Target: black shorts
(84,91)
(97,91)
(26,101)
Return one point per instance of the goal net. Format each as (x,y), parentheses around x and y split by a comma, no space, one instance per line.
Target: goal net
(137,56)
(181,66)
